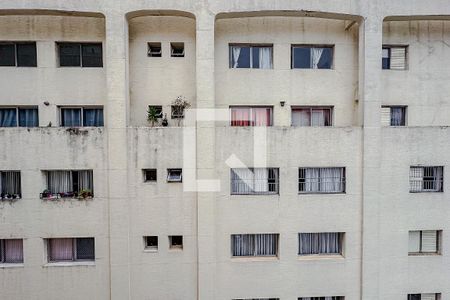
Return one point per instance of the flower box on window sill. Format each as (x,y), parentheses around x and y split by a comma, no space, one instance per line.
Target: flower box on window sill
(68,195)
(10,197)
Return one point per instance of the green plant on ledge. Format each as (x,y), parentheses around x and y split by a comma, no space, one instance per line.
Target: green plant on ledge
(85,193)
(152,115)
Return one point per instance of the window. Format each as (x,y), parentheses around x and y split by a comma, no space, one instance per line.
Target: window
(251,115)
(177,49)
(151,242)
(263,244)
(18,54)
(394,57)
(426,179)
(80,55)
(428,296)
(10,185)
(257,299)
(321,180)
(312,57)
(323,243)
(424,242)
(154,50)
(19,116)
(254,181)
(158,110)
(322,298)
(150,175)
(81,116)
(11,251)
(251,56)
(393,115)
(176,242)
(311,116)
(69,184)
(177,112)
(174,175)
(70,249)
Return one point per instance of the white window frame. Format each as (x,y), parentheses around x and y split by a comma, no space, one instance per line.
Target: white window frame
(178,178)
(251,46)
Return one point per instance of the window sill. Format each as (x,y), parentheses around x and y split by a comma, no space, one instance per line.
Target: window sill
(69,264)
(150,250)
(253,258)
(321,257)
(322,193)
(256,194)
(424,254)
(13,265)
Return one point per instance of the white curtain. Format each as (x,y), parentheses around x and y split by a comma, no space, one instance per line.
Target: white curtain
(319,243)
(305,117)
(316,54)
(331,180)
(236,51)
(60,249)
(60,181)
(437,186)
(317,118)
(13,251)
(265,57)
(10,183)
(312,180)
(254,244)
(242,181)
(261,180)
(85,180)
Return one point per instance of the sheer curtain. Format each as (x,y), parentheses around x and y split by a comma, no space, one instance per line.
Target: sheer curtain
(312,180)
(416,179)
(265,57)
(93,117)
(14,251)
(242,181)
(61,249)
(319,243)
(255,244)
(261,116)
(10,182)
(85,180)
(236,51)
(240,116)
(8,117)
(261,180)
(331,179)
(437,178)
(71,117)
(317,118)
(28,117)
(316,54)
(60,181)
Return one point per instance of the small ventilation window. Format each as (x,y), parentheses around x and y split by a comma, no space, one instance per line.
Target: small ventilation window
(151,242)
(174,175)
(176,242)
(177,49)
(154,50)
(150,175)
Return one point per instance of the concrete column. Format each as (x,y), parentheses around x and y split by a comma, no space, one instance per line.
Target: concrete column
(205,156)
(116,64)
(370,35)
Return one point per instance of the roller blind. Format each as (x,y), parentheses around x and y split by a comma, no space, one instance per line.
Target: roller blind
(398,58)
(429,241)
(428,296)
(385,116)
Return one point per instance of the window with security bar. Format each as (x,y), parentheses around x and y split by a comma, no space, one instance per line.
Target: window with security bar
(426,179)
(425,296)
(257,299)
(323,298)
(424,242)
(70,249)
(265,244)
(11,251)
(394,57)
(10,185)
(321,180)
(254,181)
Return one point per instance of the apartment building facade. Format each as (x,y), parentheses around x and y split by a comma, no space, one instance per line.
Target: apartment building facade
(347,102)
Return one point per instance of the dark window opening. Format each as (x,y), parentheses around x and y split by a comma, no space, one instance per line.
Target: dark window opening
(150,175)
(176,241)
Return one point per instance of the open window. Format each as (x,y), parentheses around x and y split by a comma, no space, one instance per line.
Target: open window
(311,57)
(151,242)
(174,175)
(176,242)
(150,175)
(177,49)
(251,56)
(154,50)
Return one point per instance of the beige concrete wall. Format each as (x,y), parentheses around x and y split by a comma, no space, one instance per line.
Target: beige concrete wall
(160,80)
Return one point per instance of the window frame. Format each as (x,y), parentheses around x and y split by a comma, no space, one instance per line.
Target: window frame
(313,46)
(82,108)
(175,46)
(389,48)
(405,114)
(343,181)
(146,177)
(437,296)
(330,108)
(254,237)
(172,246)
(251,46)
(80,45)
(151,53)
(158,108)
(74,250)
(341,237)
(3,258)
(251,113)
(16,56)
(425,253)
(175,170)
(70,194)
(147,247)
(18,108)
(275,181)
(437,180)
(2,197)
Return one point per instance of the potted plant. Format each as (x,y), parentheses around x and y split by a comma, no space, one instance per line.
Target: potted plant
(152,115)
(84,193)
(46,194)
(164,121)
(178,107)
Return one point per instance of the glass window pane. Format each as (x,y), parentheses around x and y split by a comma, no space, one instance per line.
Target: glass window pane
(386,59)
(93,117)
(301,57)
(92,55)
(26,55)
(70,117)
(255,57)
(8,117)
(28,117)
(85,249)
(326,59)
(69,55)
(7,55)
(240,57)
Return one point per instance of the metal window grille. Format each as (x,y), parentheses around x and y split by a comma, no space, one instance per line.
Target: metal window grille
(321,180)
(254,181)
(426,179)
(265,244)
